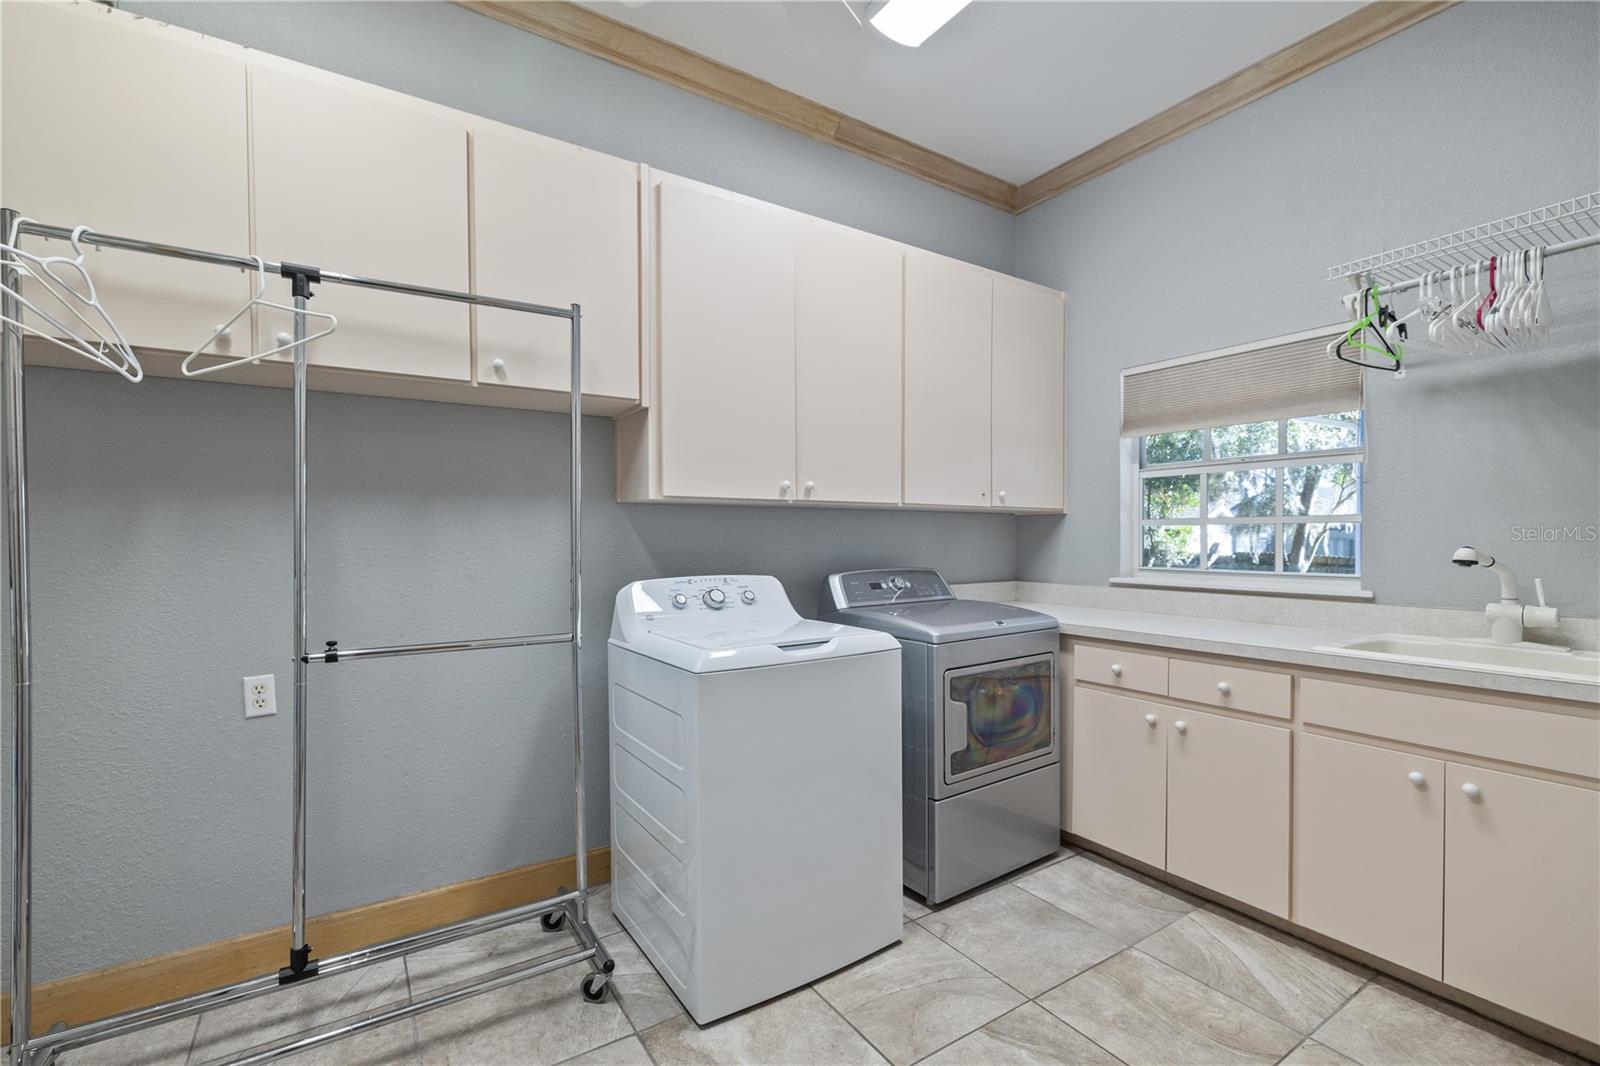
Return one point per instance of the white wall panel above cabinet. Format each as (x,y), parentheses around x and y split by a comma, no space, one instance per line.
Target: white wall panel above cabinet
(725,292)
(555,224)
(847,365)
(358,182)
(1029,397)
(947,368)
(130,130)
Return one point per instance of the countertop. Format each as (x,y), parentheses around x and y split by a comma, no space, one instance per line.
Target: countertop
(1287,644)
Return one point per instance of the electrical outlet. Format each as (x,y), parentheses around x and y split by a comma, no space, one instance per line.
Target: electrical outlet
(260,696)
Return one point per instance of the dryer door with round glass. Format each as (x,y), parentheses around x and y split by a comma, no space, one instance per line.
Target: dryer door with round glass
(998,716)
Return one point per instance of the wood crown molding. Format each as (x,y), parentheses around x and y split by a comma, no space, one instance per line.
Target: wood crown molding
(1333,42)
(616,42)
(606,38)
(145,982)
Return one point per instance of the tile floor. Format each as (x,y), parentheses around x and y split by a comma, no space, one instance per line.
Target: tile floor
(1074,960)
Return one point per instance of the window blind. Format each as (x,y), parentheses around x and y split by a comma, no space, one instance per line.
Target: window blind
(1271,380)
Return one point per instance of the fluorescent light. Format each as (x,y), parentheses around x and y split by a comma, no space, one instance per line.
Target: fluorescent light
(910,22)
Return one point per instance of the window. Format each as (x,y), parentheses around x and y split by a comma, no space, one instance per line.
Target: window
(1268,500)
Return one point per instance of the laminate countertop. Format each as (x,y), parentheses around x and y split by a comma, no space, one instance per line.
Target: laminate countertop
(1288,644)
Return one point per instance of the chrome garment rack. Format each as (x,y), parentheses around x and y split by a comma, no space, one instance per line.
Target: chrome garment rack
(570,908)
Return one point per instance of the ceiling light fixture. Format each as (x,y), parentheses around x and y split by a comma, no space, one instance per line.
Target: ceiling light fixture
(910,22)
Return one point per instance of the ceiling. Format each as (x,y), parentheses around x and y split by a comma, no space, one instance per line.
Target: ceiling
(1012,87)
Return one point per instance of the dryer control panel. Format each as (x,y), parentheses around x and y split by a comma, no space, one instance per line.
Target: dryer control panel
(872,588)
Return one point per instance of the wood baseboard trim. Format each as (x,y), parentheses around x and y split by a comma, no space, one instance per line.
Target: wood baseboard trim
(1333,42)
(617,42)
(143,982)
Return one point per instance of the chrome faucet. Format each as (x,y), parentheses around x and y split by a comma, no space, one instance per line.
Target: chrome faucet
(1508,617)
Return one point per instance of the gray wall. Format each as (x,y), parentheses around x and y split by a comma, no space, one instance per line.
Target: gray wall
(1223,237)
(161,555)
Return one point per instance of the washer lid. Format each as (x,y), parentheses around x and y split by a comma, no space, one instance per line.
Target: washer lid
(945,621)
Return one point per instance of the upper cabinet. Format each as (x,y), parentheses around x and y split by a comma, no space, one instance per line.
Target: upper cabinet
(555,224)
(847,365)
(725,288)
(793,360)
(361,183)
(750,352)
(948,317)
(144,136)
(1029,397)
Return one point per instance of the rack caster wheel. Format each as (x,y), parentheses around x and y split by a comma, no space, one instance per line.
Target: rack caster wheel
(553,920)
(594,987)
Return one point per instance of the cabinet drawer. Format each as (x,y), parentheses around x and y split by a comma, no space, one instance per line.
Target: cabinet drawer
(1221,685)
(1120,668)
(1552,739)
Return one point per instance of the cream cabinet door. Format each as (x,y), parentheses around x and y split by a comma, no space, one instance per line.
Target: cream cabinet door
(1522,895)
(1029,401)
(555,224)
(725,334)
(1227,810)
(127,130)
(1118,773)
(847,365)
(359,182)
(947,442)
(1369,849)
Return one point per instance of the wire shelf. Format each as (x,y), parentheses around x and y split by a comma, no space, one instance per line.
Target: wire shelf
(1568,220)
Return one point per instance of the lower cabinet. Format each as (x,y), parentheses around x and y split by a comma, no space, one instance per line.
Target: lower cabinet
(1227,823)
(1369,848)
(1200,795)
(1118,773)
(1522,895)
(1487,880)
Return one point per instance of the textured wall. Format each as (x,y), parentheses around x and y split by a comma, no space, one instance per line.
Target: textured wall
(1223,236)
(162,565)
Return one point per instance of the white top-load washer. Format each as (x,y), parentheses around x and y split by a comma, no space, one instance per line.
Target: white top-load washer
(755,788)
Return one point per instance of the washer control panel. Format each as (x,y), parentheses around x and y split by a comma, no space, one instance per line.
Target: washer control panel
(696,600)
(870,588)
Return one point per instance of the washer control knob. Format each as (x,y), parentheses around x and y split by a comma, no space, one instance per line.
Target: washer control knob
(747,596)
(714,599)
(898,582)
(679,600)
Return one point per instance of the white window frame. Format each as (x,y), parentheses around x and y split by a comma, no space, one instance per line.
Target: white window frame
(1328,586)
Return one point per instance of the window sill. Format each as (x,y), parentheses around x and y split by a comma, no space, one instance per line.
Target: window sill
(1314,588)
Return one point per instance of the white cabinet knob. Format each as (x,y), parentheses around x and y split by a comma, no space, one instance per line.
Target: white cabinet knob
(811,486)
(1181,726)
(1471,791)
(785,485)
(224,334)
(1116,669)
(1224,688)
(1416,778)
(498,366)
(285,338)
(1150,719)
(1001,494)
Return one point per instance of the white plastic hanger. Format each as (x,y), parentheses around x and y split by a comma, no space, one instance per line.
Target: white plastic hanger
(226,328)
(108,347)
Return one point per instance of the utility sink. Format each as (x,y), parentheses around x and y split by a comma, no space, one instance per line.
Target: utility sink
(1525,659)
